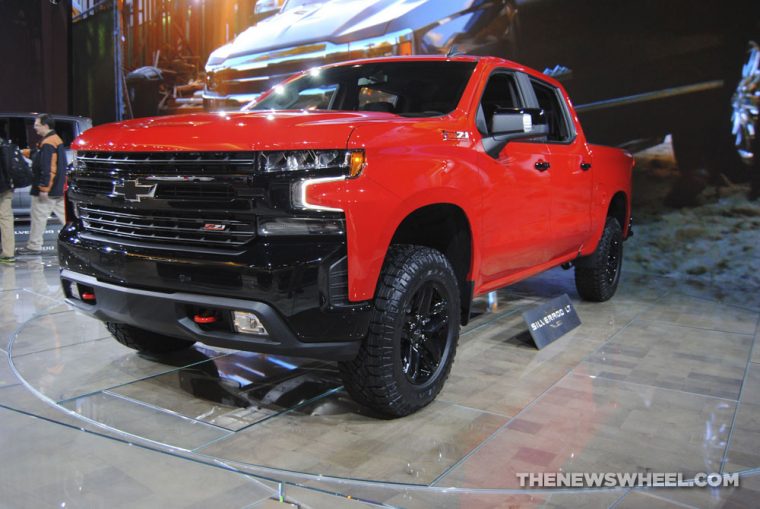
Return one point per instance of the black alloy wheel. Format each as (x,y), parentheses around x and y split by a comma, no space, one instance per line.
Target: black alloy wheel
(425,334)
(597,275)
(614,261)
(410,347)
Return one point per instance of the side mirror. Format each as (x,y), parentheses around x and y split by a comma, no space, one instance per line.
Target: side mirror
(509,124)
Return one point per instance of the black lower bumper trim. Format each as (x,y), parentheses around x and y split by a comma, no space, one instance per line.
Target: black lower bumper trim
(166,313)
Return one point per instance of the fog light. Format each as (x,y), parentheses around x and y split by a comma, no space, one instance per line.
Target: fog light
(283,226)
(248,323)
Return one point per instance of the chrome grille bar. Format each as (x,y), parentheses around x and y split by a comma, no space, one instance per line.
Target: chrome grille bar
(177,229)
(164,158)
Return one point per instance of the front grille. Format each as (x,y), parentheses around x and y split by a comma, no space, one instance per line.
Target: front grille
(90,186)
(166,228)
(190,176)
(167,163)
(94,186)
(257,81)
(198,192)
(164,199)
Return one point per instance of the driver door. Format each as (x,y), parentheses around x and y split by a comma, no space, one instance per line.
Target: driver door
(516,195)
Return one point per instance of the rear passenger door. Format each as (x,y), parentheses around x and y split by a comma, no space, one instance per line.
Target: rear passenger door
(571,171)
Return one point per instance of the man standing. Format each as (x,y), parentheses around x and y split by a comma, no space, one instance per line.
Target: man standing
(7,234)
(49,176)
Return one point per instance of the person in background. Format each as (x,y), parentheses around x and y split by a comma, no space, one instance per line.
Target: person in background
(49,176)
(7,234)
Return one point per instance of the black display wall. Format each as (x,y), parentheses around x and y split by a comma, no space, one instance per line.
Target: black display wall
(35,54)
(93,66)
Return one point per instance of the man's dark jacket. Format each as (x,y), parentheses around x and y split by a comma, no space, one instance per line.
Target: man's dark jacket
(49,166)
(5,163)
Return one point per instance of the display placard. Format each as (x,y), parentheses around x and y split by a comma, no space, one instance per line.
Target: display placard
(551,320)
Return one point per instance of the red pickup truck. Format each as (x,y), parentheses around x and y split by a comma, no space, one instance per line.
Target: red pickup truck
(351,214)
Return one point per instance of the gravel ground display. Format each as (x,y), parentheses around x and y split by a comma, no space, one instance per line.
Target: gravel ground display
(716,241)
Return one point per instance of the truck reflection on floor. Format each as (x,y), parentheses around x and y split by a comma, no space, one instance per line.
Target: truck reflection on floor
(267,383)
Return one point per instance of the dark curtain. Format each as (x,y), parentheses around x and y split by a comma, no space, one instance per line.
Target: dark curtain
(34,51)
(93,68)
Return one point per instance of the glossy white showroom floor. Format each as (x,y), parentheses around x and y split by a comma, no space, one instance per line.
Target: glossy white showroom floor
(664,378)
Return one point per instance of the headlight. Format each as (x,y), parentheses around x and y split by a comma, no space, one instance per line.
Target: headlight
(351,161)
(219,55)
(396,43)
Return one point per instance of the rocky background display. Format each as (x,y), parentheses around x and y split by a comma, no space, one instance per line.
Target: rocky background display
(716,240)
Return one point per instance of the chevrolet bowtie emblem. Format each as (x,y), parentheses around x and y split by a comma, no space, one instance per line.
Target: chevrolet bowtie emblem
(132,191)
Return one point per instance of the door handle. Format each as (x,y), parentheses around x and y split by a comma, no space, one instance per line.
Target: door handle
(585,166)
(542,165)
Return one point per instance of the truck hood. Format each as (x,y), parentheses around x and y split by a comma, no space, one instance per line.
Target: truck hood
(251,131)
(336,21)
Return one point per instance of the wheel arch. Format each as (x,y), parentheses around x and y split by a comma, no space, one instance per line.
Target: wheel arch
(446,228)
(619,209)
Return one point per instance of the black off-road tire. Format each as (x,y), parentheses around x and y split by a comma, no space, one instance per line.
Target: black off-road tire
(597,275)
(382,376)
(144,341)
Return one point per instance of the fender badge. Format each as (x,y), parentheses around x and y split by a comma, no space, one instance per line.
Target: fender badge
(455,135)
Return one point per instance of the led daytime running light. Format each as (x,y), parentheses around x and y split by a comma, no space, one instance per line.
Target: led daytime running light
(305,160)
(300,160)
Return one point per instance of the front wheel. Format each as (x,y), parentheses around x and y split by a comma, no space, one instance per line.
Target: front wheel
(408,352)
(597,275)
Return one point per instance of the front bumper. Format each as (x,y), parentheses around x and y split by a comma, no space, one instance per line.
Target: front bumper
(169,313)
(298,287)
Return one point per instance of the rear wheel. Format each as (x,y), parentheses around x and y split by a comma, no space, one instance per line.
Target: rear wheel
(408,352)
(597,275)
(144,341)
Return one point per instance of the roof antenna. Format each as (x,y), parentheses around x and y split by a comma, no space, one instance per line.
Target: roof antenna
(454,51)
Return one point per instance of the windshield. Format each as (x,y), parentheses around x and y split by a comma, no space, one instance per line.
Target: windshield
(412,88)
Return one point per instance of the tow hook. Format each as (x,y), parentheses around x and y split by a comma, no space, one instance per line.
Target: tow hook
(204,319)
